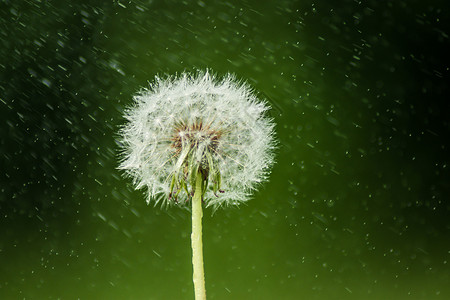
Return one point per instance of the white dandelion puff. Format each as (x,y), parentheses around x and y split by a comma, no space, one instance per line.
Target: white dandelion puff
(195,123)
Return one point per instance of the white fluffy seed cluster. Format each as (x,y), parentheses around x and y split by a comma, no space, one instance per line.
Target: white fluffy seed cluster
(233,121)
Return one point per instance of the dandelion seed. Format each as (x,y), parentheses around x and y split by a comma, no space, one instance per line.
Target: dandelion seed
(194,137)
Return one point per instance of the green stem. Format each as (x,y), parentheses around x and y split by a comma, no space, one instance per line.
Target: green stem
(196,238)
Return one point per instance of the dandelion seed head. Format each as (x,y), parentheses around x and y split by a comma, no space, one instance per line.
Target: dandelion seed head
(197,123)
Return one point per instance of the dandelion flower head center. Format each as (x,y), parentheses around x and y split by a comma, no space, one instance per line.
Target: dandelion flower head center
(198,137)
(195,147)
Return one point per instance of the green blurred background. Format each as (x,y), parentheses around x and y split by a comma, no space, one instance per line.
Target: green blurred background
(358,203)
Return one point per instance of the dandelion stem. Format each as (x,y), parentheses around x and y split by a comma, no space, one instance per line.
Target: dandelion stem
(196,239)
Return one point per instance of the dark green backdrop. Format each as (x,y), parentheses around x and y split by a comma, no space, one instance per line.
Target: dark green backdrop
(358,203)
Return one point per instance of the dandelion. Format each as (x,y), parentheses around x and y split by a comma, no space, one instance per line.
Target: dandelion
(194,138)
